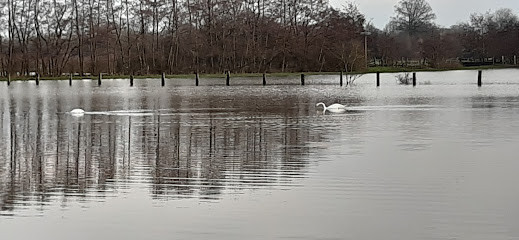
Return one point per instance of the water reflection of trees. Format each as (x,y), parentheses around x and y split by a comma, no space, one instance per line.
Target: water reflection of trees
(208,156)
(50,156)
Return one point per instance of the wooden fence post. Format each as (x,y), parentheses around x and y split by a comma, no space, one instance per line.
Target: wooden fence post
(414,79)
(228,79)
(99,78)
(479,78)
(163,79)
(196,79)
(70,79)
(131,80)
(302,79)
(264,80)
(37,79)
(378,79)
(340,79)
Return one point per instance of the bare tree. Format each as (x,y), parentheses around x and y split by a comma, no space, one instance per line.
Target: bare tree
(413,16)
(79,35)
(184,36)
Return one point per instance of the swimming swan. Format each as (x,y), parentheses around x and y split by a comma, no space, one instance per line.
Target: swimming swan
(334,108)
(77,112)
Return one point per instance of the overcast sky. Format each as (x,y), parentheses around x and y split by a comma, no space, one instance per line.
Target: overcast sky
(448,12)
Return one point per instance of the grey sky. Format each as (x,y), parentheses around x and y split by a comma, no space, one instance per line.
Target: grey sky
(448,12)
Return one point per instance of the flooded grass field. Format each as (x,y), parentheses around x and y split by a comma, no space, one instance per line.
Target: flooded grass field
(435,161)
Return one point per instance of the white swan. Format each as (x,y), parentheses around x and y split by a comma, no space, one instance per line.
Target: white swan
(334,108)
(77,112)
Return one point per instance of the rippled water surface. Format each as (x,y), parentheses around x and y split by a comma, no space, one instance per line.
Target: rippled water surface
(435,161)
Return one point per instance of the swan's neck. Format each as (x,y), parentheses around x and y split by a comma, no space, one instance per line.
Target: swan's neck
(324,106)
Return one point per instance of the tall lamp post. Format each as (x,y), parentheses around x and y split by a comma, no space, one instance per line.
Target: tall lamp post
(366,34)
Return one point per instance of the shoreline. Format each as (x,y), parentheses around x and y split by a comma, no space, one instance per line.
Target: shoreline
(275,74)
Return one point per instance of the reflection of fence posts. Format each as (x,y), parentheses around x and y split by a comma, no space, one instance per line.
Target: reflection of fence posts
(78,144)
(157,150)
(378,79)
(129,138)
(479,78)
(57,139)
(177,143)
(13,141)
(211,138)
(113,141)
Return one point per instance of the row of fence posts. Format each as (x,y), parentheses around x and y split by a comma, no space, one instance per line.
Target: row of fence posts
(228,78)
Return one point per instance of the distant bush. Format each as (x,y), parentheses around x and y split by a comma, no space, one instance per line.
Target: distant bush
(350,78)
(403,79)
(449,65)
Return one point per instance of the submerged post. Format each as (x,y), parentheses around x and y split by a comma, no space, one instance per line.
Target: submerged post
(378,79)
(70,79)
(302,79)
(37,79)
(227,80)
(414,79)
(163,79)
(196,79)
(340,79)
(479,78)
(99,78)
(131,80)
(264,80)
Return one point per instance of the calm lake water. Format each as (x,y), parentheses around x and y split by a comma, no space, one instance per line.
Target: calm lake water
(437,161)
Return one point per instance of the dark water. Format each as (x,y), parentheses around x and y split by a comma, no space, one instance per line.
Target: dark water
(438,161)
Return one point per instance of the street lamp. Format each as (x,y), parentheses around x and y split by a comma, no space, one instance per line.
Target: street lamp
(366,34)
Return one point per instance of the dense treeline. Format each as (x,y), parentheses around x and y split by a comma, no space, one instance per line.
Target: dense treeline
(412,34)
(177,36)
(53,37)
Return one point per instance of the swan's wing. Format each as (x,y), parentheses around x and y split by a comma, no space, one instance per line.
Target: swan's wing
(338,106)
(337,110)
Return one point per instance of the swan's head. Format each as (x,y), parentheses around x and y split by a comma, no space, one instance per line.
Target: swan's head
(317,105)
(77,112)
